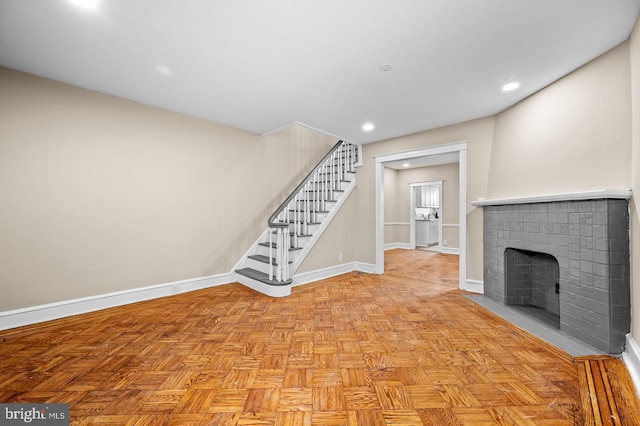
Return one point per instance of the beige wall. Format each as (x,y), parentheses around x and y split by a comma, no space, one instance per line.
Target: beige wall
(635,181)
(575,135)
(393,233)
(100,194)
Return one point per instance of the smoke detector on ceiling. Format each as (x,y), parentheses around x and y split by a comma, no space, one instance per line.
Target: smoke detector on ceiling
(386,67)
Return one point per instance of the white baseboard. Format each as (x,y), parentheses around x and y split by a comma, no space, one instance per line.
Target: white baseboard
(631,358)
(450,250)
(332,271)
(51,311)
(475,286)
(67,308)
(406,246)
(403,246)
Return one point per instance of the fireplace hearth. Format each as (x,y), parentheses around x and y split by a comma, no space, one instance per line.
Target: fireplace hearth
(569,257)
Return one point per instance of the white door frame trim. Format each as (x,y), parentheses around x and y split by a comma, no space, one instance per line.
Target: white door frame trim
(412,213)
(459,147)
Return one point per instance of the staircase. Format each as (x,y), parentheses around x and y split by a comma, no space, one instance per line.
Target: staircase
(295,227)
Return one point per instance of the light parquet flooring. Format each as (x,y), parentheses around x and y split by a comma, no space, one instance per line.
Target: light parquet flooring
(403,348)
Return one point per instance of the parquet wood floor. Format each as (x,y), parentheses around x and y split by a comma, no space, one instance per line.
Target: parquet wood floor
(403,348)
(608,395)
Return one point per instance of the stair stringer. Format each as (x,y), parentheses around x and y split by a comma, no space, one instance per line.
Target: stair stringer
(323,226)
(283,290)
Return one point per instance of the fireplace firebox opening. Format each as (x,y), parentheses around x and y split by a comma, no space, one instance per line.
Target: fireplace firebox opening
(532,280)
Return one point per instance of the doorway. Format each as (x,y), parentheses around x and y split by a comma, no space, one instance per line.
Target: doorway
(457,149)
(425,215)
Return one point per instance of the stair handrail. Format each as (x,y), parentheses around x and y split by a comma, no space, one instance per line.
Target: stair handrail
(271,223)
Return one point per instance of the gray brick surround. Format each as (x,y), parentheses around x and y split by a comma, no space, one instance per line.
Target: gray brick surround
(590,241)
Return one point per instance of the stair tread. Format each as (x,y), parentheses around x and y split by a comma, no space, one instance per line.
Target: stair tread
(273,245)
(264,259)
(261,276)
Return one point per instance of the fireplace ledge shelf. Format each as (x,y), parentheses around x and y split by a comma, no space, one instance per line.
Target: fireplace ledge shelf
(599,194)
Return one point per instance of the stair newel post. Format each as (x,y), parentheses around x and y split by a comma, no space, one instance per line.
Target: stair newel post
(278,248)
(285,261)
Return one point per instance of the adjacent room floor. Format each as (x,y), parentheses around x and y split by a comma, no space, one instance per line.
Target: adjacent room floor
(406,347)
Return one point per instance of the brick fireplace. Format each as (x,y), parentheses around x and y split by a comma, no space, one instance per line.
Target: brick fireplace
(566,254)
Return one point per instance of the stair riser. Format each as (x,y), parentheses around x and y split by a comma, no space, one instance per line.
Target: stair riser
(262,250)
(264,267)
(258,266)
(265,250)
(311,228)
(316,217)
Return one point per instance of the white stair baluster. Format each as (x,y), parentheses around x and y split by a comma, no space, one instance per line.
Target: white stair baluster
(270,254)
(307,209)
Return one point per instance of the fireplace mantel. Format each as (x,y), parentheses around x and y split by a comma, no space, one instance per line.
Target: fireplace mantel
(599,194)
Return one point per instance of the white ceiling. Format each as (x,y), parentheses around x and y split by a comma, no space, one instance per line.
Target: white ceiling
(259,65)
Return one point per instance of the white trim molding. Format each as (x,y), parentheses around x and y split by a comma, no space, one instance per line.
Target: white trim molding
(631,358)
(301,124)
(403,246)
(315,129)
(450,250)
(67,308)
(475,286)
(332,271)
(598,194)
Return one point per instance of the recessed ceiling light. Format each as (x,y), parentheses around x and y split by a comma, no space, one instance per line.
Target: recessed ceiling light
(164,70)
(406,165)
(367,127)
(85,4)
(510,86)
